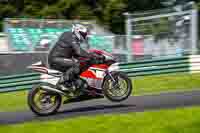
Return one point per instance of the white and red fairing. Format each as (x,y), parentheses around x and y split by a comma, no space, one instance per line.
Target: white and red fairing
(94,74)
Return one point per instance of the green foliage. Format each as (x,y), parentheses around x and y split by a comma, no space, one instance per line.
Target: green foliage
(113,15)
(7,11)
(83,12)
(51,11)
(107,12)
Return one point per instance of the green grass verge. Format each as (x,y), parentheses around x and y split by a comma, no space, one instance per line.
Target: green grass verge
(184,120)
(13,101)
(162,83)
(142,85)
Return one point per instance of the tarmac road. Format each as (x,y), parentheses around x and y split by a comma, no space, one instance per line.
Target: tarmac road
(103,106)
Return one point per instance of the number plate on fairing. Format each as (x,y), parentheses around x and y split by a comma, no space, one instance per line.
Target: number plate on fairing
(100,74)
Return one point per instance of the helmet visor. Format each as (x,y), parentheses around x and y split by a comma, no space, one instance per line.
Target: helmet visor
(83,34)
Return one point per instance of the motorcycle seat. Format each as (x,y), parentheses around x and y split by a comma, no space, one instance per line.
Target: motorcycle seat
(39,64)
(41,67)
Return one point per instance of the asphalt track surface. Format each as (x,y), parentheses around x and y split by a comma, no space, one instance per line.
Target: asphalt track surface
(103,106)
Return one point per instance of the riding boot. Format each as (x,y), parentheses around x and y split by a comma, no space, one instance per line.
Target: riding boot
(64,84)
(69,77)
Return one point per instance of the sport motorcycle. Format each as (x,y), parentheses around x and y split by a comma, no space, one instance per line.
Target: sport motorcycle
(96,80)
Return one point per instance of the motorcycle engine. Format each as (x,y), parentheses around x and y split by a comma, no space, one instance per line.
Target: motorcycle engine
(80,84)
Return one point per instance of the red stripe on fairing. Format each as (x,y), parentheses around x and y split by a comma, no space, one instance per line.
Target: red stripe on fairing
(40,69)
(88,74)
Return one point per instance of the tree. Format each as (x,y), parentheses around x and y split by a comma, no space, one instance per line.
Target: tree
(107,12)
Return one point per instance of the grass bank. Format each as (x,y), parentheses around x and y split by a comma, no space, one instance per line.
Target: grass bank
(183,120)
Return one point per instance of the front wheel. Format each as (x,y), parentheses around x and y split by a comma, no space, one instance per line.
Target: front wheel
(43,102)
(117,86)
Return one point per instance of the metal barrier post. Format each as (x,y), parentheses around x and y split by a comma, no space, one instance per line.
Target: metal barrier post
(128,37)
(194,30)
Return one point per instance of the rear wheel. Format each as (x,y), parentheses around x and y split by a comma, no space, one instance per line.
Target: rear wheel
(43,102)
(117,88)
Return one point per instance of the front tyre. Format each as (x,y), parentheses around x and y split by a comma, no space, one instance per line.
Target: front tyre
(118,87)
(43,102)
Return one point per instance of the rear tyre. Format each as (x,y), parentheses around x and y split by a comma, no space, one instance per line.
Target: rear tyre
(115,91)
(42,102)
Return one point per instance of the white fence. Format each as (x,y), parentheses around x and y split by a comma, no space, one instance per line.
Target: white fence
(173,30)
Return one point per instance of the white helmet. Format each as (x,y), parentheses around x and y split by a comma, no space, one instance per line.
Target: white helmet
(80,31)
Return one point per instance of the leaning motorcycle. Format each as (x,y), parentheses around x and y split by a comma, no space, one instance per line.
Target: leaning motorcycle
(96,80)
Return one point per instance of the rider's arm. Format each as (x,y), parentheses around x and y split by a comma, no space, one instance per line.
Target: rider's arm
(80,52)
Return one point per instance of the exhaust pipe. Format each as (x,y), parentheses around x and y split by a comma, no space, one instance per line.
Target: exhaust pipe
(47,88)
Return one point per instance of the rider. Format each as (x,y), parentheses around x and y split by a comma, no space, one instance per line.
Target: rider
(62,55)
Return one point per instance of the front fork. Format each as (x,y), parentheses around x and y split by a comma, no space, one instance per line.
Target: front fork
(109,73)
(115,81)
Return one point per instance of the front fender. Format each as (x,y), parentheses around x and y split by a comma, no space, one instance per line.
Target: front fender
(114,67)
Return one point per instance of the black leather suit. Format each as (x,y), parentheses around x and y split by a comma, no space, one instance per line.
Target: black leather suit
(61,56)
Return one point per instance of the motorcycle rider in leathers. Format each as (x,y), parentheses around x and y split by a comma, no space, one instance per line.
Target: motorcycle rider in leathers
(61,57)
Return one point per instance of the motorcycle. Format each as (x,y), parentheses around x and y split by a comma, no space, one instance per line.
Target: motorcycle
(102,79)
